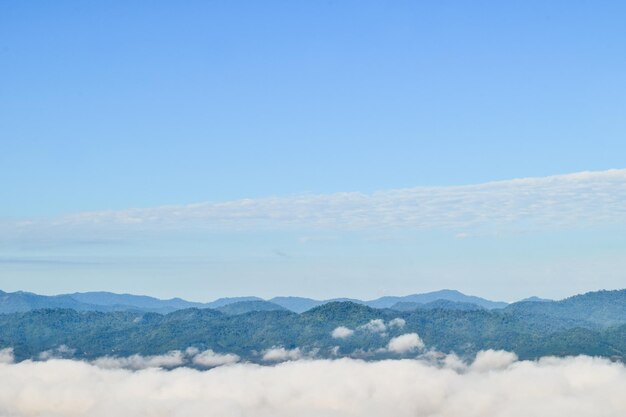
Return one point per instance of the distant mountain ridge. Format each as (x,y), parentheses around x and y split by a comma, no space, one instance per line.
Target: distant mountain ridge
(21,301)
(448,295)
(107,301)
(599,309)
(243,307)
(437,304)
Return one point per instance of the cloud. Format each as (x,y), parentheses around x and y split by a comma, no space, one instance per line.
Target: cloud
(208,358)
(6,355)
(405,343)
(169,360)
(172,359)
(493,359)
(41,261)
(378,326)
(280,354)
(551,387)
(572,199)
(374,326)
(62,351)
(397,323)
(342,332)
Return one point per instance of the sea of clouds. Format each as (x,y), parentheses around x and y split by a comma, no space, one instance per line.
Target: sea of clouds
(495,384)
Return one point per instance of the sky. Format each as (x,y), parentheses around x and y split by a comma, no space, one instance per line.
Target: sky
(323,149)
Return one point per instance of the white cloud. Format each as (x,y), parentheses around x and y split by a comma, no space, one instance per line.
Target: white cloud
(342,332)
(572,199)
(551,387)
(405,343)
(279,354)
(493,359)
(172,359)
(208,358)
(6,355)
(374,326)
(169,360)
(63,351)
(397,323)
(192,351)
(452,361)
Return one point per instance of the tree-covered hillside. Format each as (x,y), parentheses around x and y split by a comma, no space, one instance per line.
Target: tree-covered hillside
(593,324)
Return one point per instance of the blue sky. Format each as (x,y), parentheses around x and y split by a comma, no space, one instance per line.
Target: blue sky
(124,105)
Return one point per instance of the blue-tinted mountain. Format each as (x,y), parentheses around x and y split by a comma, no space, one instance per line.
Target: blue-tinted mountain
(536,299)
(299,304)
(599,309)
(107,301)
(25,301)
(437,304)
(296,304)
(242,307)
(221,302)
(21,301)
(130,301)
(449,295)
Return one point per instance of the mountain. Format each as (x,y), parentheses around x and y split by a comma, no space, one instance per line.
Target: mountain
(437,304)
(591,324)
(449,295)
(25,301)
(536,299)
(602,308)
(242,307)
(140,302)
(599,309)
(107,301)
(299,305)
(296,304)
(221,302)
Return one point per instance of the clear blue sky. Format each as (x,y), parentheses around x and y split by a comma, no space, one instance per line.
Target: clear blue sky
(123,104)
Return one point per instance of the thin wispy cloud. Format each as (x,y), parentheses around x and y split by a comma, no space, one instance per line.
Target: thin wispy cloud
(43,262)
(580,198)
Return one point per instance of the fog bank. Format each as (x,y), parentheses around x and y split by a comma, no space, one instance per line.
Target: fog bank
(496,385)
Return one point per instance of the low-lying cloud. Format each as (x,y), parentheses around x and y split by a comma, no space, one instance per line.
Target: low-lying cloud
(280,354)
(374,326)
(169,360)
(490,359)
(405,343)
(6,355)
(499,387)
(209,358)
(397,323)
(172,359)
(342,332)
(60,352)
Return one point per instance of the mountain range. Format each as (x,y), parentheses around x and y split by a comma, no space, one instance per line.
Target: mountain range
(21,301)
(593,324)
